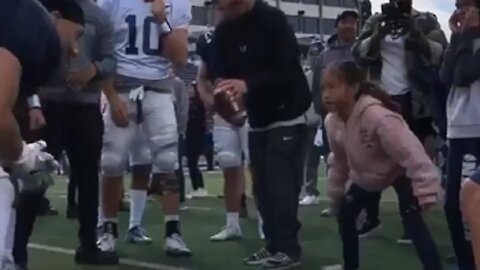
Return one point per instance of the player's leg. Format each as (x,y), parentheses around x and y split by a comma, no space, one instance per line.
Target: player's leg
(228,149)
(161,130)
(140,162)
(116,144)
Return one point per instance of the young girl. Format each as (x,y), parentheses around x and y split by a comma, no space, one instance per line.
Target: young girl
(373,148)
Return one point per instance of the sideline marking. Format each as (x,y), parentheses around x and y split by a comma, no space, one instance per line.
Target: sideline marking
(128,262)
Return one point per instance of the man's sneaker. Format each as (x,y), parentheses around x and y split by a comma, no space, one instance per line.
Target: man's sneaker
(138,235)
(369,229)
(280,261)
(327,212)
(228,233)
(310,200)
(95,256)
(404,240)
(257,258)
(176,247)
(199,193)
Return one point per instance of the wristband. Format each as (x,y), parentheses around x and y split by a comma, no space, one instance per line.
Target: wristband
(34,102)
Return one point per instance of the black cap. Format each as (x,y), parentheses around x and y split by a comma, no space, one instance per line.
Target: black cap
(346,14)
(69,9)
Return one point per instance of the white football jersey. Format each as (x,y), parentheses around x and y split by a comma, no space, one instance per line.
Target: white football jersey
(137,35)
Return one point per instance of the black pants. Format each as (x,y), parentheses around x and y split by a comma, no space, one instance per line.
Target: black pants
(353,203)
(194,148)
(78,129)
(463,158)
(277,173)
(179,172)
(422,128)
(208,151)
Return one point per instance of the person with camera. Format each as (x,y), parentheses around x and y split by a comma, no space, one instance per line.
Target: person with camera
(460,70)
(258,65)
(397,47)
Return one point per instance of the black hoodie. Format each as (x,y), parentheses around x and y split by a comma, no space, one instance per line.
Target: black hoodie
(260,48)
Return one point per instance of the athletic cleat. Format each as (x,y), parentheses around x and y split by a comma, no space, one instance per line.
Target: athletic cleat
(176,247)
(228,234)
(309,200)
(327,212)
(257,258)
(369,229)
(107,243)
(138,235)
(280,261)
(199,193)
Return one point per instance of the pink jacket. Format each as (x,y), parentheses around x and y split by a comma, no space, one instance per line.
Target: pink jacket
(373,149)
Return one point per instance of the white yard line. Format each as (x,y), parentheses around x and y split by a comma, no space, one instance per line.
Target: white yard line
(127,262)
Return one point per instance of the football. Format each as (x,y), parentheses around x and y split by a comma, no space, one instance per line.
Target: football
(233,111)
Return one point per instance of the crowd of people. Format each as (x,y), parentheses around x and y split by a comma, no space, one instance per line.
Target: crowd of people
(101,82)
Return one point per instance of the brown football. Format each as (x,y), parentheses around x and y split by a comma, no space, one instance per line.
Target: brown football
(233,111)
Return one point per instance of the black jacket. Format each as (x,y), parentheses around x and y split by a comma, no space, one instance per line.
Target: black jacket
(260,47)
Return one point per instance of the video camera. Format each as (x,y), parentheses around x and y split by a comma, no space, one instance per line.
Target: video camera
(395,12)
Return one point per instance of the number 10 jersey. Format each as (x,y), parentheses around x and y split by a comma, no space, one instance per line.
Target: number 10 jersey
(138,46)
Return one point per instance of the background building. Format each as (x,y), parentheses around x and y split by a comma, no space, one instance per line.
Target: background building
(309,18)
(312,20)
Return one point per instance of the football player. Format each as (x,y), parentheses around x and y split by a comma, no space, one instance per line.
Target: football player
(32,37)
(230,144)
(151,36)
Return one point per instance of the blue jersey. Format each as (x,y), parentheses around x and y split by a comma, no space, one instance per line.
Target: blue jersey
(206,51)
(26,31)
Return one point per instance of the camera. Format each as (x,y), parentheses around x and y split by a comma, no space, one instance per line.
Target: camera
(394,14)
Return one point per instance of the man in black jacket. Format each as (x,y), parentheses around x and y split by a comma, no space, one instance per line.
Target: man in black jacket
(257,58)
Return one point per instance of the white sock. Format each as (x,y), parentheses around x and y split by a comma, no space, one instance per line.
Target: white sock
(7,195)
(138,199)
(168,218)
(113,220)
(233,220)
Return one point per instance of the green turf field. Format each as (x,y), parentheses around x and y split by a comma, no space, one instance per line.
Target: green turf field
(55,238)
